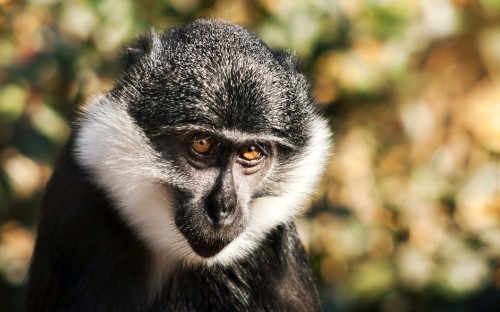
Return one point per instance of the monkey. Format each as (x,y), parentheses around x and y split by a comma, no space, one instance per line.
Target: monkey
(178,189)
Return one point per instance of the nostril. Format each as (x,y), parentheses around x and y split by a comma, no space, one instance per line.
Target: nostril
(223,216)
(223,211)
(212,216)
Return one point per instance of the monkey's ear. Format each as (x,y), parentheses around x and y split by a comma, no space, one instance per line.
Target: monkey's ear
(291,63)
(135,52)
(143,47)
(133,55)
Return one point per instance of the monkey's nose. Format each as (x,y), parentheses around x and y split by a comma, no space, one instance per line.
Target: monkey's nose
(220,212)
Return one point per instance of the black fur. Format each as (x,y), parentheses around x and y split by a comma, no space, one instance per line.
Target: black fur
(210,74)
(85,257)
(276,277)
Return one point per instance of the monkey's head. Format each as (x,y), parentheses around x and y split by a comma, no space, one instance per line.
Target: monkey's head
(209,142)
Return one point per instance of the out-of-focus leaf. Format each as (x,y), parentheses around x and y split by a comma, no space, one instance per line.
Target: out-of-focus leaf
(50,123)
(12,101)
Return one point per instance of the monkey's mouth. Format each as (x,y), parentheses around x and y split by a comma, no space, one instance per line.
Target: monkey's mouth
(207,247)
(205,239)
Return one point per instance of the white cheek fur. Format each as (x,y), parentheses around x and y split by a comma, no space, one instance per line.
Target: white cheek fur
(119,155)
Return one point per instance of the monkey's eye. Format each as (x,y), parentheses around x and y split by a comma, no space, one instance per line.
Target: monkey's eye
(251,153)
(202,144)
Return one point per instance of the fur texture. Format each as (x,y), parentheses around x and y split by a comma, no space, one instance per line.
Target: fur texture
(112,233)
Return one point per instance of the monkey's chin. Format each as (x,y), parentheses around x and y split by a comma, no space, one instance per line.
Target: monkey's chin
(208,249)
(205,239)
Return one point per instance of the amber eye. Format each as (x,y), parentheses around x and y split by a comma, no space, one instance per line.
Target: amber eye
(203,145)
(251,153)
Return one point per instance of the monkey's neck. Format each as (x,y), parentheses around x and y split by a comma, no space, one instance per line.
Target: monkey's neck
(274,277)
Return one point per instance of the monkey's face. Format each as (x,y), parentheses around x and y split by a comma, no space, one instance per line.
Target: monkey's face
(209,143)
(218,175)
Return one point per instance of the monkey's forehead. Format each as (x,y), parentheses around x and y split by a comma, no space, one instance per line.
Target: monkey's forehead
(256,104)
(260,120)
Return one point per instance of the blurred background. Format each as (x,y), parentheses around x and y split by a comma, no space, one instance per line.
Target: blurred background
(407,217)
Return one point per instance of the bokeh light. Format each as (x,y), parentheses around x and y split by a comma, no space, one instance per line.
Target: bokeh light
(407,217)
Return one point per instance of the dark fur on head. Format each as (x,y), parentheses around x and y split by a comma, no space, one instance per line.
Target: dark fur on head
(217,75)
